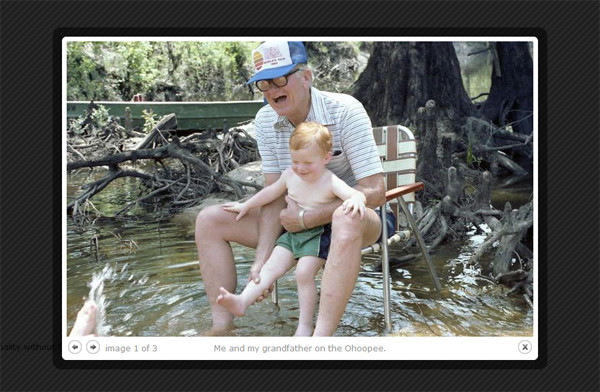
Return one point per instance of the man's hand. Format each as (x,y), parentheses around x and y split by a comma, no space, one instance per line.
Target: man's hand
(255,272)
(289,216)
(255,277)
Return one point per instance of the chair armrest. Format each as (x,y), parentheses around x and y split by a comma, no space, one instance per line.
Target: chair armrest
(403,190)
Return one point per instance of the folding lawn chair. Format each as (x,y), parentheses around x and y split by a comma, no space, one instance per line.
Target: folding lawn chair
(398,151)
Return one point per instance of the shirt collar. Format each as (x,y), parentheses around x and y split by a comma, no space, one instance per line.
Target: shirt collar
(318,112)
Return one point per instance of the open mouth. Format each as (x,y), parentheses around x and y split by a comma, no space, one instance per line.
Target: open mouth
(280,99)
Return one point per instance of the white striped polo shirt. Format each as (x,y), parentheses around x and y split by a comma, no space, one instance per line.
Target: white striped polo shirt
(356,154)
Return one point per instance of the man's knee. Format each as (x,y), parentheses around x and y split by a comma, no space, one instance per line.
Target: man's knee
(345,228)
(208,213)
(207,219)
(347,231)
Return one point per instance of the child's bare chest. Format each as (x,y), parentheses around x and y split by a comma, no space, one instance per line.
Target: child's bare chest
(311,195)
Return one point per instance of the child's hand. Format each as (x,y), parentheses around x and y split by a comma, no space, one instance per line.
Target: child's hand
(236,207)
(354,205)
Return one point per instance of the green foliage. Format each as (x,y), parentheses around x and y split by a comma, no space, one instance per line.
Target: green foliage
(335,64)
(149,120)
(191,71)
(90,123)
(86,74)
(471,158)
(76,126)
(100,116)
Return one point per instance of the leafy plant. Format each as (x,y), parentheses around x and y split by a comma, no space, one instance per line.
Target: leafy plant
(76,125)
(149,120)
(91,123)
(471,158)
(100,117)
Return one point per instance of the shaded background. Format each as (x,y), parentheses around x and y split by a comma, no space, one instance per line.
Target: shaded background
(568,166)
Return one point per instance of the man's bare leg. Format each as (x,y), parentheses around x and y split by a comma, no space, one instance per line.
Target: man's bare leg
(280,262)
(348,236)
(215,228)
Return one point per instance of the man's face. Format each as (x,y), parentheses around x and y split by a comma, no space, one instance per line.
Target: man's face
(291,99)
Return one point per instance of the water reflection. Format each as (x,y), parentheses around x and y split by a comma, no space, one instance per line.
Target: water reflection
(157,290)
(154,288)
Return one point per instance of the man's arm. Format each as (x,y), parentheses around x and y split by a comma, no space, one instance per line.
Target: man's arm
(290,218)
(372,187)
(343,191)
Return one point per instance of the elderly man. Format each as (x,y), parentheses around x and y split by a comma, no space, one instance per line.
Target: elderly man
(281,73)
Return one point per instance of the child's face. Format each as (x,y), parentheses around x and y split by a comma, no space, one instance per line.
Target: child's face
(309,163)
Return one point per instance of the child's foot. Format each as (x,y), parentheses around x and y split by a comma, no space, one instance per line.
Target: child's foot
(231,302)
(85,324)
(304,330)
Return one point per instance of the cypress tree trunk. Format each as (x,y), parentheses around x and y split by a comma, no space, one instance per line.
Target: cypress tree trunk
(511,94)
(511,97)
(401,77)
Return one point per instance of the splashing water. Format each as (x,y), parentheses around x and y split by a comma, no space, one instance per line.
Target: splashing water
(96,296)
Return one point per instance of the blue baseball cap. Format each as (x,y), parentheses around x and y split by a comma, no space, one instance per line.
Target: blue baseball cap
(273,59)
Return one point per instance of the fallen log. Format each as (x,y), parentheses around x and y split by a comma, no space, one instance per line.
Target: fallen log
(131,155)
(166,123)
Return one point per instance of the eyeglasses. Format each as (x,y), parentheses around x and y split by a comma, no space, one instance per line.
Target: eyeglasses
(265,85)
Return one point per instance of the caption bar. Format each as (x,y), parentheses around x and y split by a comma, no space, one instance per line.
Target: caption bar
(263,348)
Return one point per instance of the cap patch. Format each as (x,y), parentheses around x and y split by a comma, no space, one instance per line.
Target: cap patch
(271,55)
(258,61)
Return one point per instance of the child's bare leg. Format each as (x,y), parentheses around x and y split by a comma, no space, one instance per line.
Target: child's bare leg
(306,271)
(85,324)
(279,263)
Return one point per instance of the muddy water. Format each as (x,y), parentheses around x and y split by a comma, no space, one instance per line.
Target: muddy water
(152,285)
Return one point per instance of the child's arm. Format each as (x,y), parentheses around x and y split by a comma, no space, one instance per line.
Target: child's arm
(265,196)
(354,200)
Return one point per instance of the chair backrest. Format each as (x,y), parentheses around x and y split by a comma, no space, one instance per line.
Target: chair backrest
(398,151)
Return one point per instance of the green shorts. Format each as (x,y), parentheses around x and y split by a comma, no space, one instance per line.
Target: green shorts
(311,242)
(316,241)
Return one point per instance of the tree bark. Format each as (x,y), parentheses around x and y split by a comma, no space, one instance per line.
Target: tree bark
(401,77)
(429,167)
(511,97)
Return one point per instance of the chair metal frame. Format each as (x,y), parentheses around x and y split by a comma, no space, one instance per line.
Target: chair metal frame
(398,151)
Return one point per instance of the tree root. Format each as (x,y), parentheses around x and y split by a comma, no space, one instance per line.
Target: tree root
(456,212)
(200,172)
(458,193)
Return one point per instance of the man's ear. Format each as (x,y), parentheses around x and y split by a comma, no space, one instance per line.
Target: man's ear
(307,75)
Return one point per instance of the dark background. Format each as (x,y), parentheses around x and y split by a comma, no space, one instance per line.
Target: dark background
(30,213)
